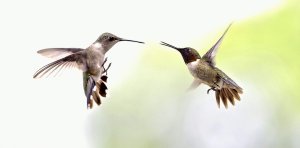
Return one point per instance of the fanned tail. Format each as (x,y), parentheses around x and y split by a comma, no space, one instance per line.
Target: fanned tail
(229,94)
(92,94)
(103,87)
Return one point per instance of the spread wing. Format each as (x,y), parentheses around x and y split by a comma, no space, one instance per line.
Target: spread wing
(210,55)
(76,59)
(55,52)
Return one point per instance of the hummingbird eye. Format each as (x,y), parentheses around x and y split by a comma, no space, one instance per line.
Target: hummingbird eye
(111,39)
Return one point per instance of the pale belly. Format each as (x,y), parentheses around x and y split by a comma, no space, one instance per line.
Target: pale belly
(94,65)
(205,73)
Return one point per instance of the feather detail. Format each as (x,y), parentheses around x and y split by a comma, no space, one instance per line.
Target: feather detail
(218,97)
(224,98)
(58,52)
(71,59)
(96,97)
(225,94)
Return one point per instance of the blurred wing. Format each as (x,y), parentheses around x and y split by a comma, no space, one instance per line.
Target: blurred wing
(210,55)
(55,52)
(68,61)
(194,84)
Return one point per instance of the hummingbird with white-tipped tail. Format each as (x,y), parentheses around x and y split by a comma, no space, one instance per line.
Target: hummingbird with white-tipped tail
(90,60)
(203,70)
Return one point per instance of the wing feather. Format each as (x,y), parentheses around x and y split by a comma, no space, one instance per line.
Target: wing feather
(56,52)
(76,58)
(211,53)
(194,84)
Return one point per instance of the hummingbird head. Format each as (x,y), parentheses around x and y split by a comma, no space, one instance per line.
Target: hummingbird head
(107,40)
(188,54)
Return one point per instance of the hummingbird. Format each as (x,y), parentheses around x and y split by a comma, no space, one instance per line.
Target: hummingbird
(90,61)
(204,70)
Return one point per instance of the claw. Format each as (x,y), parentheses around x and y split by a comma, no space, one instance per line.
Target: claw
(104,62)
(105,70)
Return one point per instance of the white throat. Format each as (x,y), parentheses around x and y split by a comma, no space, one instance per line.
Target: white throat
(193,64)
(97,45)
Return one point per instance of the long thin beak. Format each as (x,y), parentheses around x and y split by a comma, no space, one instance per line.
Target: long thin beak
(131,41)
(168,45)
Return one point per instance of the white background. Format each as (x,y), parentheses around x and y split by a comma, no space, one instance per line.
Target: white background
(28,106)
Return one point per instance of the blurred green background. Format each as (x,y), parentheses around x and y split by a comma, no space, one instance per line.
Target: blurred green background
(152,110)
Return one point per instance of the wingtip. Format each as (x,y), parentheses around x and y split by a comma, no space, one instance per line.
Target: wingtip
(35,76)
(41,51)
(227,29)
(230,24)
